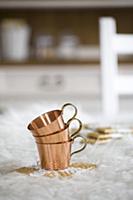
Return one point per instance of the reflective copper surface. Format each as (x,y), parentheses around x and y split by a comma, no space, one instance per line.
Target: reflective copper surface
(50,122)
(54,126)
(60,136)
(56,156)
(56,137)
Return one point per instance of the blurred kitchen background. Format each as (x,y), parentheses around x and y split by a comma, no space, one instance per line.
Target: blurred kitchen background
(50,52)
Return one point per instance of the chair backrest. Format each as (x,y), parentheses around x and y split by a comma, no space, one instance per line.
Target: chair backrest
(113,84)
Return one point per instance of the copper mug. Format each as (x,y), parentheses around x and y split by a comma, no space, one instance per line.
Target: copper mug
(56,156)
(50,122)
(60,136)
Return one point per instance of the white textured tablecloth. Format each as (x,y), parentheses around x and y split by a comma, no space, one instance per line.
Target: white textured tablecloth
(111,180)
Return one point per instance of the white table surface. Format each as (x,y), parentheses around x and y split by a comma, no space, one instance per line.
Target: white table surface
(111,180)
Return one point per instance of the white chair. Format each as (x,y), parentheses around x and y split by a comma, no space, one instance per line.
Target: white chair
(113,84)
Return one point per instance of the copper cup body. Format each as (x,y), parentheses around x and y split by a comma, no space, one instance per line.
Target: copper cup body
(54,139)
(61,136)
(55,156)
(47,123)
(50,122)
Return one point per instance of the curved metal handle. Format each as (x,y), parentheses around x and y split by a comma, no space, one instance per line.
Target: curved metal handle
(82,148)
(79,128)
(75,110)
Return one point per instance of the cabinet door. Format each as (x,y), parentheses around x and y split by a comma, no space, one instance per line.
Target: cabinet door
(50,81)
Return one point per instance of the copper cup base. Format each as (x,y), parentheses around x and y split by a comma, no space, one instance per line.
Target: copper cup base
(55,167)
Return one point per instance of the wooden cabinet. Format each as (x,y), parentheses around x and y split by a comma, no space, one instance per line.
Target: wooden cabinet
(54,79)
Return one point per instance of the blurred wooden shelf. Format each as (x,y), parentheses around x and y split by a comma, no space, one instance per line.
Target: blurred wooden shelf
(59,62)
(49,62)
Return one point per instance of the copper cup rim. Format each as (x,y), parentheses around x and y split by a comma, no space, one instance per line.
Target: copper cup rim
(43,115)
(68,141)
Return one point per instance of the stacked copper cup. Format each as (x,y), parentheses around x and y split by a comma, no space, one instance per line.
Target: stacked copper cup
(54,138)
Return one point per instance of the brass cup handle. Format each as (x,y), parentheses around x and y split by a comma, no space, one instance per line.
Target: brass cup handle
(78,129)
(73,106)
(83,147)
